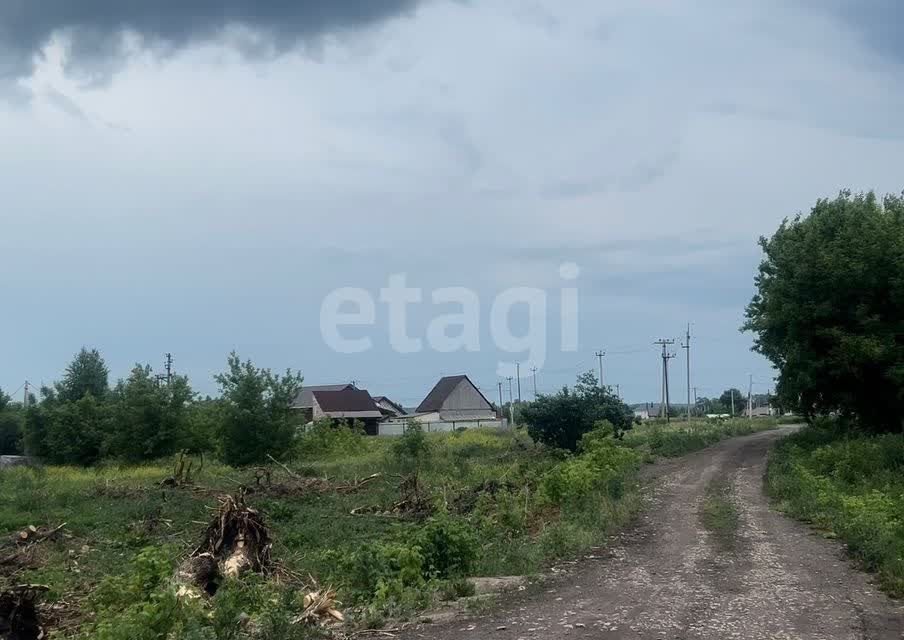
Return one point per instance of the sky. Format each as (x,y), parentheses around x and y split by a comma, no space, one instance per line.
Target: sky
(198,176)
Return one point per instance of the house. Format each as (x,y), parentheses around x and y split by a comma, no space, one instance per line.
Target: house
(304,401)
(348,404)
(455,399)
(389,408)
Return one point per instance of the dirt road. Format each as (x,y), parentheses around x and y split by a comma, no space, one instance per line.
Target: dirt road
(690,570)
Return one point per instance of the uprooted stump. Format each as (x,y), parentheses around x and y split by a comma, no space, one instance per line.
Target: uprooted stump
(415,502)
(18,615)
(236,541)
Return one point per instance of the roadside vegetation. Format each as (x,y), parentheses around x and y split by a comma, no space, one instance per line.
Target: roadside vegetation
(378,528)
(828,314)
(849,485)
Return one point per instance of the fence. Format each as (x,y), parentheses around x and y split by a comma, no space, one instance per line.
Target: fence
(397,427)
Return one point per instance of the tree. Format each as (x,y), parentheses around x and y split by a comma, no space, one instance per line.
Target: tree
(76,430)
(149,418)
(732,406)
(87,373)
(10,433)
(829,306)
(256,412)
(561,419)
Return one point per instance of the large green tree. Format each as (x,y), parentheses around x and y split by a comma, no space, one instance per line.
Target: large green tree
(829,309)
(561,419)
(255,411)
(149,418)
(87,373)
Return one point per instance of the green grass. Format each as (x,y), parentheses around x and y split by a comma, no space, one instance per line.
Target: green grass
(680,437)
(719,514)
(125,533)
(848,486)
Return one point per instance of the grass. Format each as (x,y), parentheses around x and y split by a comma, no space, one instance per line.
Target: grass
(504,506)
(850,486)
(680,437)
(719,514)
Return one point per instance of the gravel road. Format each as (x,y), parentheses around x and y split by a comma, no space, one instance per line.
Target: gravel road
(670,576)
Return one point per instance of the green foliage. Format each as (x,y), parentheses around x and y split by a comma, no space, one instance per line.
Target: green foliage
(603,466)
(679,438)
(10,433)
(827,312)
(87,373)
(381,570)
(35,432)
(561,419)
(76,431)
(448,545)
(851,486)
(412,450)
(142,604)
(328,438)
(148,418)
(256,418)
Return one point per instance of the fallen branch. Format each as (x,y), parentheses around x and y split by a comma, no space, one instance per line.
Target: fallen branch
(287,469)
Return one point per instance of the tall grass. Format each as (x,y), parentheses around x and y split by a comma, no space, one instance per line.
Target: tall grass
(502,505)
(679,437)
(851,486)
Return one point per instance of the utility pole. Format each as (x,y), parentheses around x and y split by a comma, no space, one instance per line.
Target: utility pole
(169,368)
(617,392)
(599,354)
(25,397)
(664,404)
(500,396)
(518,373)
(687,347)
(731,391)
(750,397)
(511,403)
(533,371)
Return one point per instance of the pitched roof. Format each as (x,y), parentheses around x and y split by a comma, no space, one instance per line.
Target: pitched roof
(446,385)
(304,398)
(347,401)
(399,408)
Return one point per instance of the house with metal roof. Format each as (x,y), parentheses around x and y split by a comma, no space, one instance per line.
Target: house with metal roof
(455,399)
(350,405)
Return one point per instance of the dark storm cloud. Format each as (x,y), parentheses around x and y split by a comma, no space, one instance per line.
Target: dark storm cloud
(96,26)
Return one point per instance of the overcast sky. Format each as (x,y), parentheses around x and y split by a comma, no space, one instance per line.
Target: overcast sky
(195,176)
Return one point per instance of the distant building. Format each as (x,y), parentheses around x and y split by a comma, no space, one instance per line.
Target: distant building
(389,408)
(455,399)
(304,401)
(347,405)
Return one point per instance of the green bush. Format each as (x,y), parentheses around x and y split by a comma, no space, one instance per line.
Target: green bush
(448,545)
(328,438)
(380,569)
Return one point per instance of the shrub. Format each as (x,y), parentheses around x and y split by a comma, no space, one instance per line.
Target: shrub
(448,545)
(411,451)
(326,437)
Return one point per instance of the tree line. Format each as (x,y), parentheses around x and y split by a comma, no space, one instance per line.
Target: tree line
(82,419)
